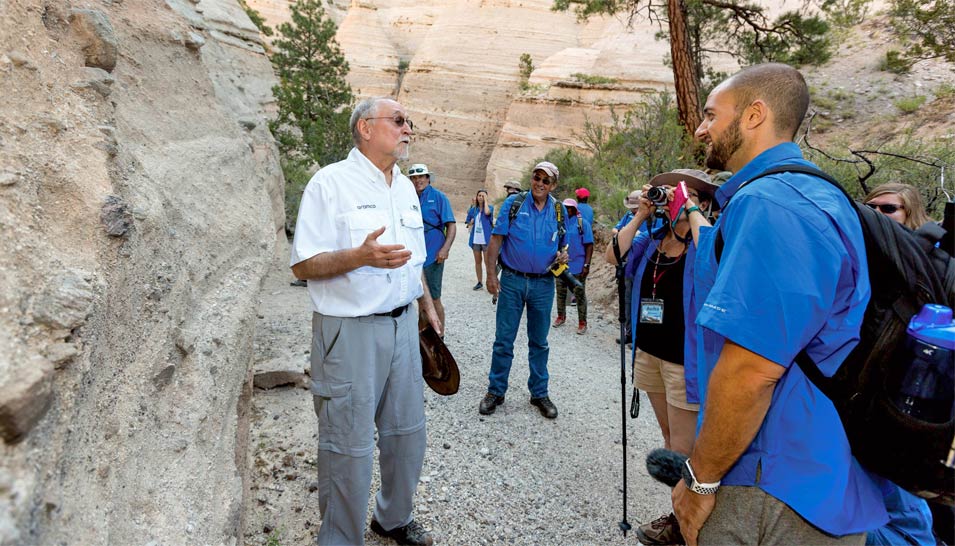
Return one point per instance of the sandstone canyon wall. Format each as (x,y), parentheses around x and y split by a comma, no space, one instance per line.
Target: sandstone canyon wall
(474,126)
(140,198)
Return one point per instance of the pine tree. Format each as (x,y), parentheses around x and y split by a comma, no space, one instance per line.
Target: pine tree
(314,99)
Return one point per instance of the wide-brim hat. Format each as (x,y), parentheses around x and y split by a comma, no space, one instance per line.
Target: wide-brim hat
(513,184)
(698,180)
(570,203)
(632,201)
(438,367)
(418,169)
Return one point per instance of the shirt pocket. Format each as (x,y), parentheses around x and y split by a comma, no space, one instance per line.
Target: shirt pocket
(360,224)
(412,233)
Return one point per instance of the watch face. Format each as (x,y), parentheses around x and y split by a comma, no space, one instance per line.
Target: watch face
(687,477)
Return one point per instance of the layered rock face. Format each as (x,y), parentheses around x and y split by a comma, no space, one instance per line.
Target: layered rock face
(474,125)
(140,198)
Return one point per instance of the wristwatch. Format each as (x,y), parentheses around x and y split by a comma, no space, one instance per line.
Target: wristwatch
(699,488)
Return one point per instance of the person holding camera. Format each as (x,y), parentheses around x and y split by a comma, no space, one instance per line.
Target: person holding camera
(661,270)
(527,241)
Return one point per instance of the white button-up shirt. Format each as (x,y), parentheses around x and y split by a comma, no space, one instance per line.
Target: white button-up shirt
(341,205)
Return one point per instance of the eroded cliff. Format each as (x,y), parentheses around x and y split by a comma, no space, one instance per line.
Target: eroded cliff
(140,200)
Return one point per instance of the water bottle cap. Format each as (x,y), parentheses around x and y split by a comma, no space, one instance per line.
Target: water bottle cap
(933,324)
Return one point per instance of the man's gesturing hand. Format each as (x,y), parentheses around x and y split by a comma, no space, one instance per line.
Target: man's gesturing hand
(384,256)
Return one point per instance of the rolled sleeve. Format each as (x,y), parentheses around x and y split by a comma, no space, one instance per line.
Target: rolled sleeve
(315,230)
(774,288)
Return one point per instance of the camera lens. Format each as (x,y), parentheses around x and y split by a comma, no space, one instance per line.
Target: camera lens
(657,195)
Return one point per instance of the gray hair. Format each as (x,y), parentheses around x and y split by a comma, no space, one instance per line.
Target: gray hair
(365,108)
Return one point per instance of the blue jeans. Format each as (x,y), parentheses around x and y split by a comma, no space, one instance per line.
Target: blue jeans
(516,293)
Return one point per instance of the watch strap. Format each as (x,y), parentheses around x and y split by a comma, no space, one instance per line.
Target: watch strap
(700,488)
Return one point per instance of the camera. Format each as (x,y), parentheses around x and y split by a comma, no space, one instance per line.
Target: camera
(657,195)
(562,272)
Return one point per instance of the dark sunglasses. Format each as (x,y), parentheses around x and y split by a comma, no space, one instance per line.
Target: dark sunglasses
(544,179)
(887,208)
(398,119)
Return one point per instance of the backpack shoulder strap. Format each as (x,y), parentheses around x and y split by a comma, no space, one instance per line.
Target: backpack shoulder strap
(559,212)
(516,206)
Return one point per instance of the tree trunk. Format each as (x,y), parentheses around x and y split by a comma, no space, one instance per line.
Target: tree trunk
(684,75)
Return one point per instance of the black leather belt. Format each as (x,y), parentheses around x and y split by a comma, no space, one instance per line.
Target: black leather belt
(521,273)
(394,313)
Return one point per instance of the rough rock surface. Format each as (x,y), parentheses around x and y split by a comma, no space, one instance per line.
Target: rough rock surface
(124,359)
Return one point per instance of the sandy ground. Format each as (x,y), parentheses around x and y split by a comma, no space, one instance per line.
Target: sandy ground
(509,478)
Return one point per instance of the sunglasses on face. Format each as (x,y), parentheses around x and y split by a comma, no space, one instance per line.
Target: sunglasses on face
(886,208)
(398,119)
(544,179)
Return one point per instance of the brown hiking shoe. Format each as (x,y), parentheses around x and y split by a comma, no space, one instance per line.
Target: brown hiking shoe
(664,530)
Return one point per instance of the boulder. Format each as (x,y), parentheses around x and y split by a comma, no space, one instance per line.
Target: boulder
(98,38)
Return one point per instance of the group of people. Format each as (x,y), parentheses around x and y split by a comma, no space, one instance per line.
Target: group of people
(716,321)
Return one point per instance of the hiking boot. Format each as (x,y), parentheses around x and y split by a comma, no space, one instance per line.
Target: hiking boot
(582,327)
(478,286)
(627,340)
(413,534)
(490,403)
(559,321)
(546,407)
(663,530)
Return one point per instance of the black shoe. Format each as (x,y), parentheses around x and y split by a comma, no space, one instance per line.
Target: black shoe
(490,403)
(298,282)
(629,341)
(546,407)
(478,286)
(413,534)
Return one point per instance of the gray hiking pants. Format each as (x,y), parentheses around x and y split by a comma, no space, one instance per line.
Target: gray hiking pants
(366,373)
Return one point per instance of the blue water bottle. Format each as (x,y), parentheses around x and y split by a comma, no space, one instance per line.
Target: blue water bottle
(928,388)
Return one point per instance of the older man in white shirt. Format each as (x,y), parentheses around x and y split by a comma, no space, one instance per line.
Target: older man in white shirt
(359,241)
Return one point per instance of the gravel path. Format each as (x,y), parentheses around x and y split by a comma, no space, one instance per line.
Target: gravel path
(509,478)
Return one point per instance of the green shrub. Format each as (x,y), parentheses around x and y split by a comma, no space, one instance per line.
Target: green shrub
(593,80)
(894,62)
(945,91)
(909,105)
(297,175)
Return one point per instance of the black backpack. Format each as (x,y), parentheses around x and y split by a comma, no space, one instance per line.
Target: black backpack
(906,271)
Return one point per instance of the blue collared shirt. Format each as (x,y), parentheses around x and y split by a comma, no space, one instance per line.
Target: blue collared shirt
(577,236)
(792,274)
(530,243)
(476,214)
(586,211)
(435,212)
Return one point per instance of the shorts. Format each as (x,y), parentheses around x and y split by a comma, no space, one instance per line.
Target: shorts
(655,375)
(433,274)
(478,248)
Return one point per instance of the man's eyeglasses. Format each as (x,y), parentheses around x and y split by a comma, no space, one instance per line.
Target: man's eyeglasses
(885,208)
(398,119)
(544,179)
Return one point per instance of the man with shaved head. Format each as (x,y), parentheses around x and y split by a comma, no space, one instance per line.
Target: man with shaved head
(783,270)
(359,241)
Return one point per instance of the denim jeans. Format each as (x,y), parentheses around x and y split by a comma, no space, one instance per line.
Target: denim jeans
(516,293)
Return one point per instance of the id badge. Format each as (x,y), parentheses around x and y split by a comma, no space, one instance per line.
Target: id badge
(651,311)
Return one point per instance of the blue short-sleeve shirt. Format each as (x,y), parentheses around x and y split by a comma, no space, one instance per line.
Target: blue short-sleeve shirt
(577,236)
(792,274)
(586,211)
(435,212)
(530,242)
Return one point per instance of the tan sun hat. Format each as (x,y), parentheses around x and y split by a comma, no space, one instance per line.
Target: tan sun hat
(632,201)
(698,180)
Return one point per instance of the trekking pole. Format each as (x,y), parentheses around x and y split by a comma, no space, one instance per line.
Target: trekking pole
(622,317)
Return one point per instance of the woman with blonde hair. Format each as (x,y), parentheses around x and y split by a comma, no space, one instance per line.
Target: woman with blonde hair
(900,202)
